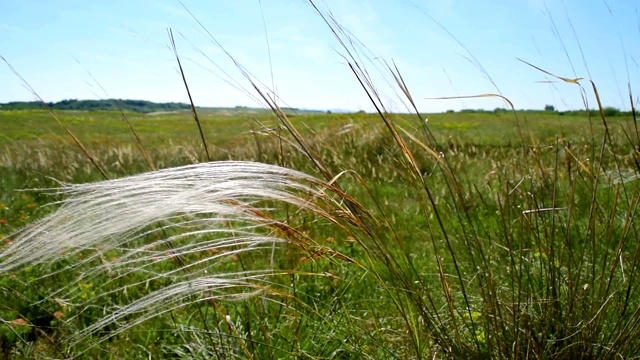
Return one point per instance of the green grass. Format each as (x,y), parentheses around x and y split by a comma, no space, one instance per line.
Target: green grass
(460,260)
(473,235)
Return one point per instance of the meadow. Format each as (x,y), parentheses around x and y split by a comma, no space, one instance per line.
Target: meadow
(507,234)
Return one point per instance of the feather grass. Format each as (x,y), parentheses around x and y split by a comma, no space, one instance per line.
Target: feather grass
(213,210)
(109,213)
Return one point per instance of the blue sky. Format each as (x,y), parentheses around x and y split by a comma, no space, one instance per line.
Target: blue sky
(78,49)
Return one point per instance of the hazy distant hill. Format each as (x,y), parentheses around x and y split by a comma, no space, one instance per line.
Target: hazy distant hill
(141,106)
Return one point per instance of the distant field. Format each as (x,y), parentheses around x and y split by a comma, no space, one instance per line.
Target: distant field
(173,138)
(227,129)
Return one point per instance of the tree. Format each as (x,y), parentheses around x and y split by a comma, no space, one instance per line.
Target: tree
(549,108)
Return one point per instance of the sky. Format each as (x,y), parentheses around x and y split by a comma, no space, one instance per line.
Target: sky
(78,49)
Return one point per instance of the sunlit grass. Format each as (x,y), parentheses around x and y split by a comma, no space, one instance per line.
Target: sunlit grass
(269,234)
(337,294)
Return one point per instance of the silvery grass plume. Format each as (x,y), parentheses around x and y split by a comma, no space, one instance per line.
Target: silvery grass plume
(175,227)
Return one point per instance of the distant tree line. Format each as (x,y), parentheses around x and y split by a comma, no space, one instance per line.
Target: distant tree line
(141,106)
(609,111)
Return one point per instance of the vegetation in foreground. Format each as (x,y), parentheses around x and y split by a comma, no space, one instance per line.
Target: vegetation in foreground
(489,235)
(345,236)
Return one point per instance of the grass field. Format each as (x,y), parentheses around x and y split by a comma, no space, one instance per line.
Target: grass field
(470,235)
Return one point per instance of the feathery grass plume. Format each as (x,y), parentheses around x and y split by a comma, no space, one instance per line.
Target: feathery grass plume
(166,226)
(113,210)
